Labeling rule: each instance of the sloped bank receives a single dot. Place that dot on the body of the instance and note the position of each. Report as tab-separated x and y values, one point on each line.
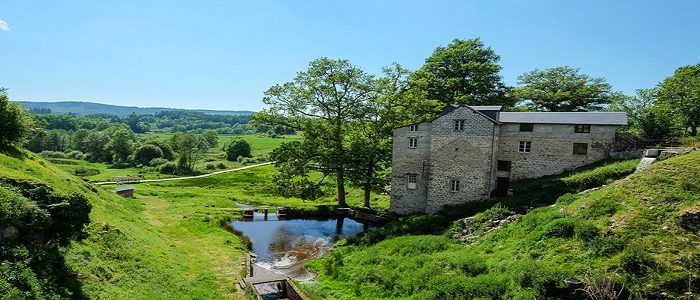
627	238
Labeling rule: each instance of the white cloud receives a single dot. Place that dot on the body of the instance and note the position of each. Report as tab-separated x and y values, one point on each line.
4	26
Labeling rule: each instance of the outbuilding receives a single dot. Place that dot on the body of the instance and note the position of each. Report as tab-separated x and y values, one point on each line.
126	192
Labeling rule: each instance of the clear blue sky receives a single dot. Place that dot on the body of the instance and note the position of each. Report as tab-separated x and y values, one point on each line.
225	54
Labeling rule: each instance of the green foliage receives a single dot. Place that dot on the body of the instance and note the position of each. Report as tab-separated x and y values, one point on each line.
562	228
168	168
463	72
681	92
237	148
210	166
562	89
604	206
600	175
120	144
636	261
14	121
146	153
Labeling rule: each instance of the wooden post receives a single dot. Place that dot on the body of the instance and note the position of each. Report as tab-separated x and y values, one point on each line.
265	211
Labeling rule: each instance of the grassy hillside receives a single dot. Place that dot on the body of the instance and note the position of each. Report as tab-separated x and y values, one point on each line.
141	248
87	108
627	236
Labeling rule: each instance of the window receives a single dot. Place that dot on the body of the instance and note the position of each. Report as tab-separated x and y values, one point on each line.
582	129
504	165
412	143
454	185
414	127
527	127
459	125
580	148
525	147
412	180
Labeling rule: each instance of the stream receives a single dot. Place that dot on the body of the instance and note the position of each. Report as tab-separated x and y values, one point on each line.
284	246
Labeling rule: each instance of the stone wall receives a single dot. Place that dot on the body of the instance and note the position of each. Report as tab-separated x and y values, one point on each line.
460	155
406	161
552	148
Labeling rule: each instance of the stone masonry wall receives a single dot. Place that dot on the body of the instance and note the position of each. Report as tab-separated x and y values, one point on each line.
552	148
406	161
460	155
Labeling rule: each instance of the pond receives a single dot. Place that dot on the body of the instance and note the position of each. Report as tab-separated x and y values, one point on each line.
283	246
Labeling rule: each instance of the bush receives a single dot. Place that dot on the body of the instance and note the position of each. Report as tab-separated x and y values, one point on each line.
210	166
84	172
15	121
52	154
168	168
562	227
157	162
585	231
221	165
146	153
637	261
497	212
236	148
75	154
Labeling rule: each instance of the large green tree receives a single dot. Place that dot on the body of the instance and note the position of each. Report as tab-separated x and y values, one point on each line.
562	89
190	148
321	102
15	122
681	92
463	72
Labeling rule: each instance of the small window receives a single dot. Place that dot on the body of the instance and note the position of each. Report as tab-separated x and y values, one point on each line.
414	127
527	127
580	149
459	125
504	165
412	180
412	143
454	185
525	147
582	129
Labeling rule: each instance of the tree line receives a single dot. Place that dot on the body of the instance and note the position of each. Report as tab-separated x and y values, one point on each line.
347	116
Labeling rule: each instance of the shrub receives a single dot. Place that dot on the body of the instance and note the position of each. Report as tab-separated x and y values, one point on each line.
562	227
599	176
52	154
146	153
75	154
210	166
585	231
157	162
221	165
605	206
83	172
497	212
168	168
637	261
236	148
605	245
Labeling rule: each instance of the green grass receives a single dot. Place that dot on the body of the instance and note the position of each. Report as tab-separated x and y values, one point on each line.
627	232
146	247
252	186
95	172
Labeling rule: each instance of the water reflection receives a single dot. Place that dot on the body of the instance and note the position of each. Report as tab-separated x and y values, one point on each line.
285	245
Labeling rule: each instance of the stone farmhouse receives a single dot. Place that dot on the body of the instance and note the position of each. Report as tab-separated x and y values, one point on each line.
472	153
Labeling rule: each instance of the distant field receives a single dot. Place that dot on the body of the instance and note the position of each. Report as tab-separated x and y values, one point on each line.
102	172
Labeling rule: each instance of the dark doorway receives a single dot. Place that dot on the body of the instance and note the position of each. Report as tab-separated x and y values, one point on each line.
502	184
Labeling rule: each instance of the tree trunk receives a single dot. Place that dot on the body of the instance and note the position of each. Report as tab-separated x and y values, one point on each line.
340	175
368	184
693	130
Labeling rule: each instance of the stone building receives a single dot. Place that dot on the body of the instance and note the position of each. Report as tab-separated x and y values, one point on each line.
471	153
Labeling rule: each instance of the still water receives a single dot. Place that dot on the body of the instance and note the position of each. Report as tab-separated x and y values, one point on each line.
283	246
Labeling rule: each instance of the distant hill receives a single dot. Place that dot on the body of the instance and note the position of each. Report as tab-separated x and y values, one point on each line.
87	108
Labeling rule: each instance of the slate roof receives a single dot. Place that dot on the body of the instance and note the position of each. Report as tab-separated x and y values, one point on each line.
596	118
122	189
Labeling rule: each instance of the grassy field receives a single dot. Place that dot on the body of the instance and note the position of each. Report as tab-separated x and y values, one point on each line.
94	172
627	233
146	247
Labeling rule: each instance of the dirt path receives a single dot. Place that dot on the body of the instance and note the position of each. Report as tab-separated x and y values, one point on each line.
185	177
